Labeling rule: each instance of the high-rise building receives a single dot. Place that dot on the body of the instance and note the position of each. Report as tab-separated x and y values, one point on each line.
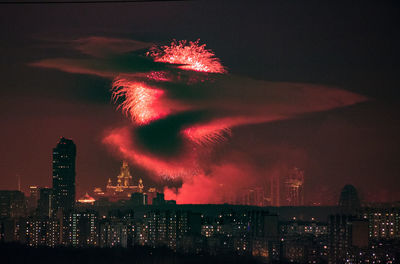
12	204
33	198
346	232
138	199
113	233
81	228
42	231
349	203
384	222
64	155
45	201
151	194
159	199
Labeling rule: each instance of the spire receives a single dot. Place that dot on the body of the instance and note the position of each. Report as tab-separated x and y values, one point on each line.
124	165
19	182
140	185
125	176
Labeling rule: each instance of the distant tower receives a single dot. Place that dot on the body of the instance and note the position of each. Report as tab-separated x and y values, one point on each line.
125	177
45	202
294	182
349	202
140	185
124	187
64	155
33	198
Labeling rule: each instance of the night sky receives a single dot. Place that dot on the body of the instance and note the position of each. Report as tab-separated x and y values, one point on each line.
346	46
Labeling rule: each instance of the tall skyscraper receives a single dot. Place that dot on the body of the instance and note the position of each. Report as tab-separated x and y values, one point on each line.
64	155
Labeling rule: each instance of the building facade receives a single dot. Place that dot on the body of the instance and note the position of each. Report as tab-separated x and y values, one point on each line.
64	155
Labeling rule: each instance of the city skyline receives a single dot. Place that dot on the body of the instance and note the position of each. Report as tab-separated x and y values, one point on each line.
345	233
285	191
288	191
275	192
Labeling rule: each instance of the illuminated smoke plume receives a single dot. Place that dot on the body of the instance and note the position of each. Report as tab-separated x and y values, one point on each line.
122	140
142	102
182	104
207	183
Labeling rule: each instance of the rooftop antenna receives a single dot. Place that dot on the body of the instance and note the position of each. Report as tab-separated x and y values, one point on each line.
19	182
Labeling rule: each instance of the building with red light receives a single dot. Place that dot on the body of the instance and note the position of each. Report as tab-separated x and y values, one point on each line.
86	199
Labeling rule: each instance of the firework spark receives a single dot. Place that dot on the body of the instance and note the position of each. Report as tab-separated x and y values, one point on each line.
158	76
139	100
191	55
142	102
207	134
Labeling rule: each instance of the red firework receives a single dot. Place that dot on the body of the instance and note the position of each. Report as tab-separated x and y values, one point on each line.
207	134
143	103
190	55
140	100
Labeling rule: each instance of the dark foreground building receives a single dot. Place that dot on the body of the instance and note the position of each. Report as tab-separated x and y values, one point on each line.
64	155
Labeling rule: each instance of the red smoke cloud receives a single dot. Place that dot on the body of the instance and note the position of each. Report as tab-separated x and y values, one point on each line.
121	140
79	66
193	82
221	186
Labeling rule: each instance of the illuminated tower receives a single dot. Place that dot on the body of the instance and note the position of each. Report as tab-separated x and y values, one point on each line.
124	187
64	155
294	187
125	177
140	185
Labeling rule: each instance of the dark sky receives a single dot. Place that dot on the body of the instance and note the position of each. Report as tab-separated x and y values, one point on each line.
351	45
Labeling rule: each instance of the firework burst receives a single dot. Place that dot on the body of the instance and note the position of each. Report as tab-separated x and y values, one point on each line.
139	100
190	55
207	134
